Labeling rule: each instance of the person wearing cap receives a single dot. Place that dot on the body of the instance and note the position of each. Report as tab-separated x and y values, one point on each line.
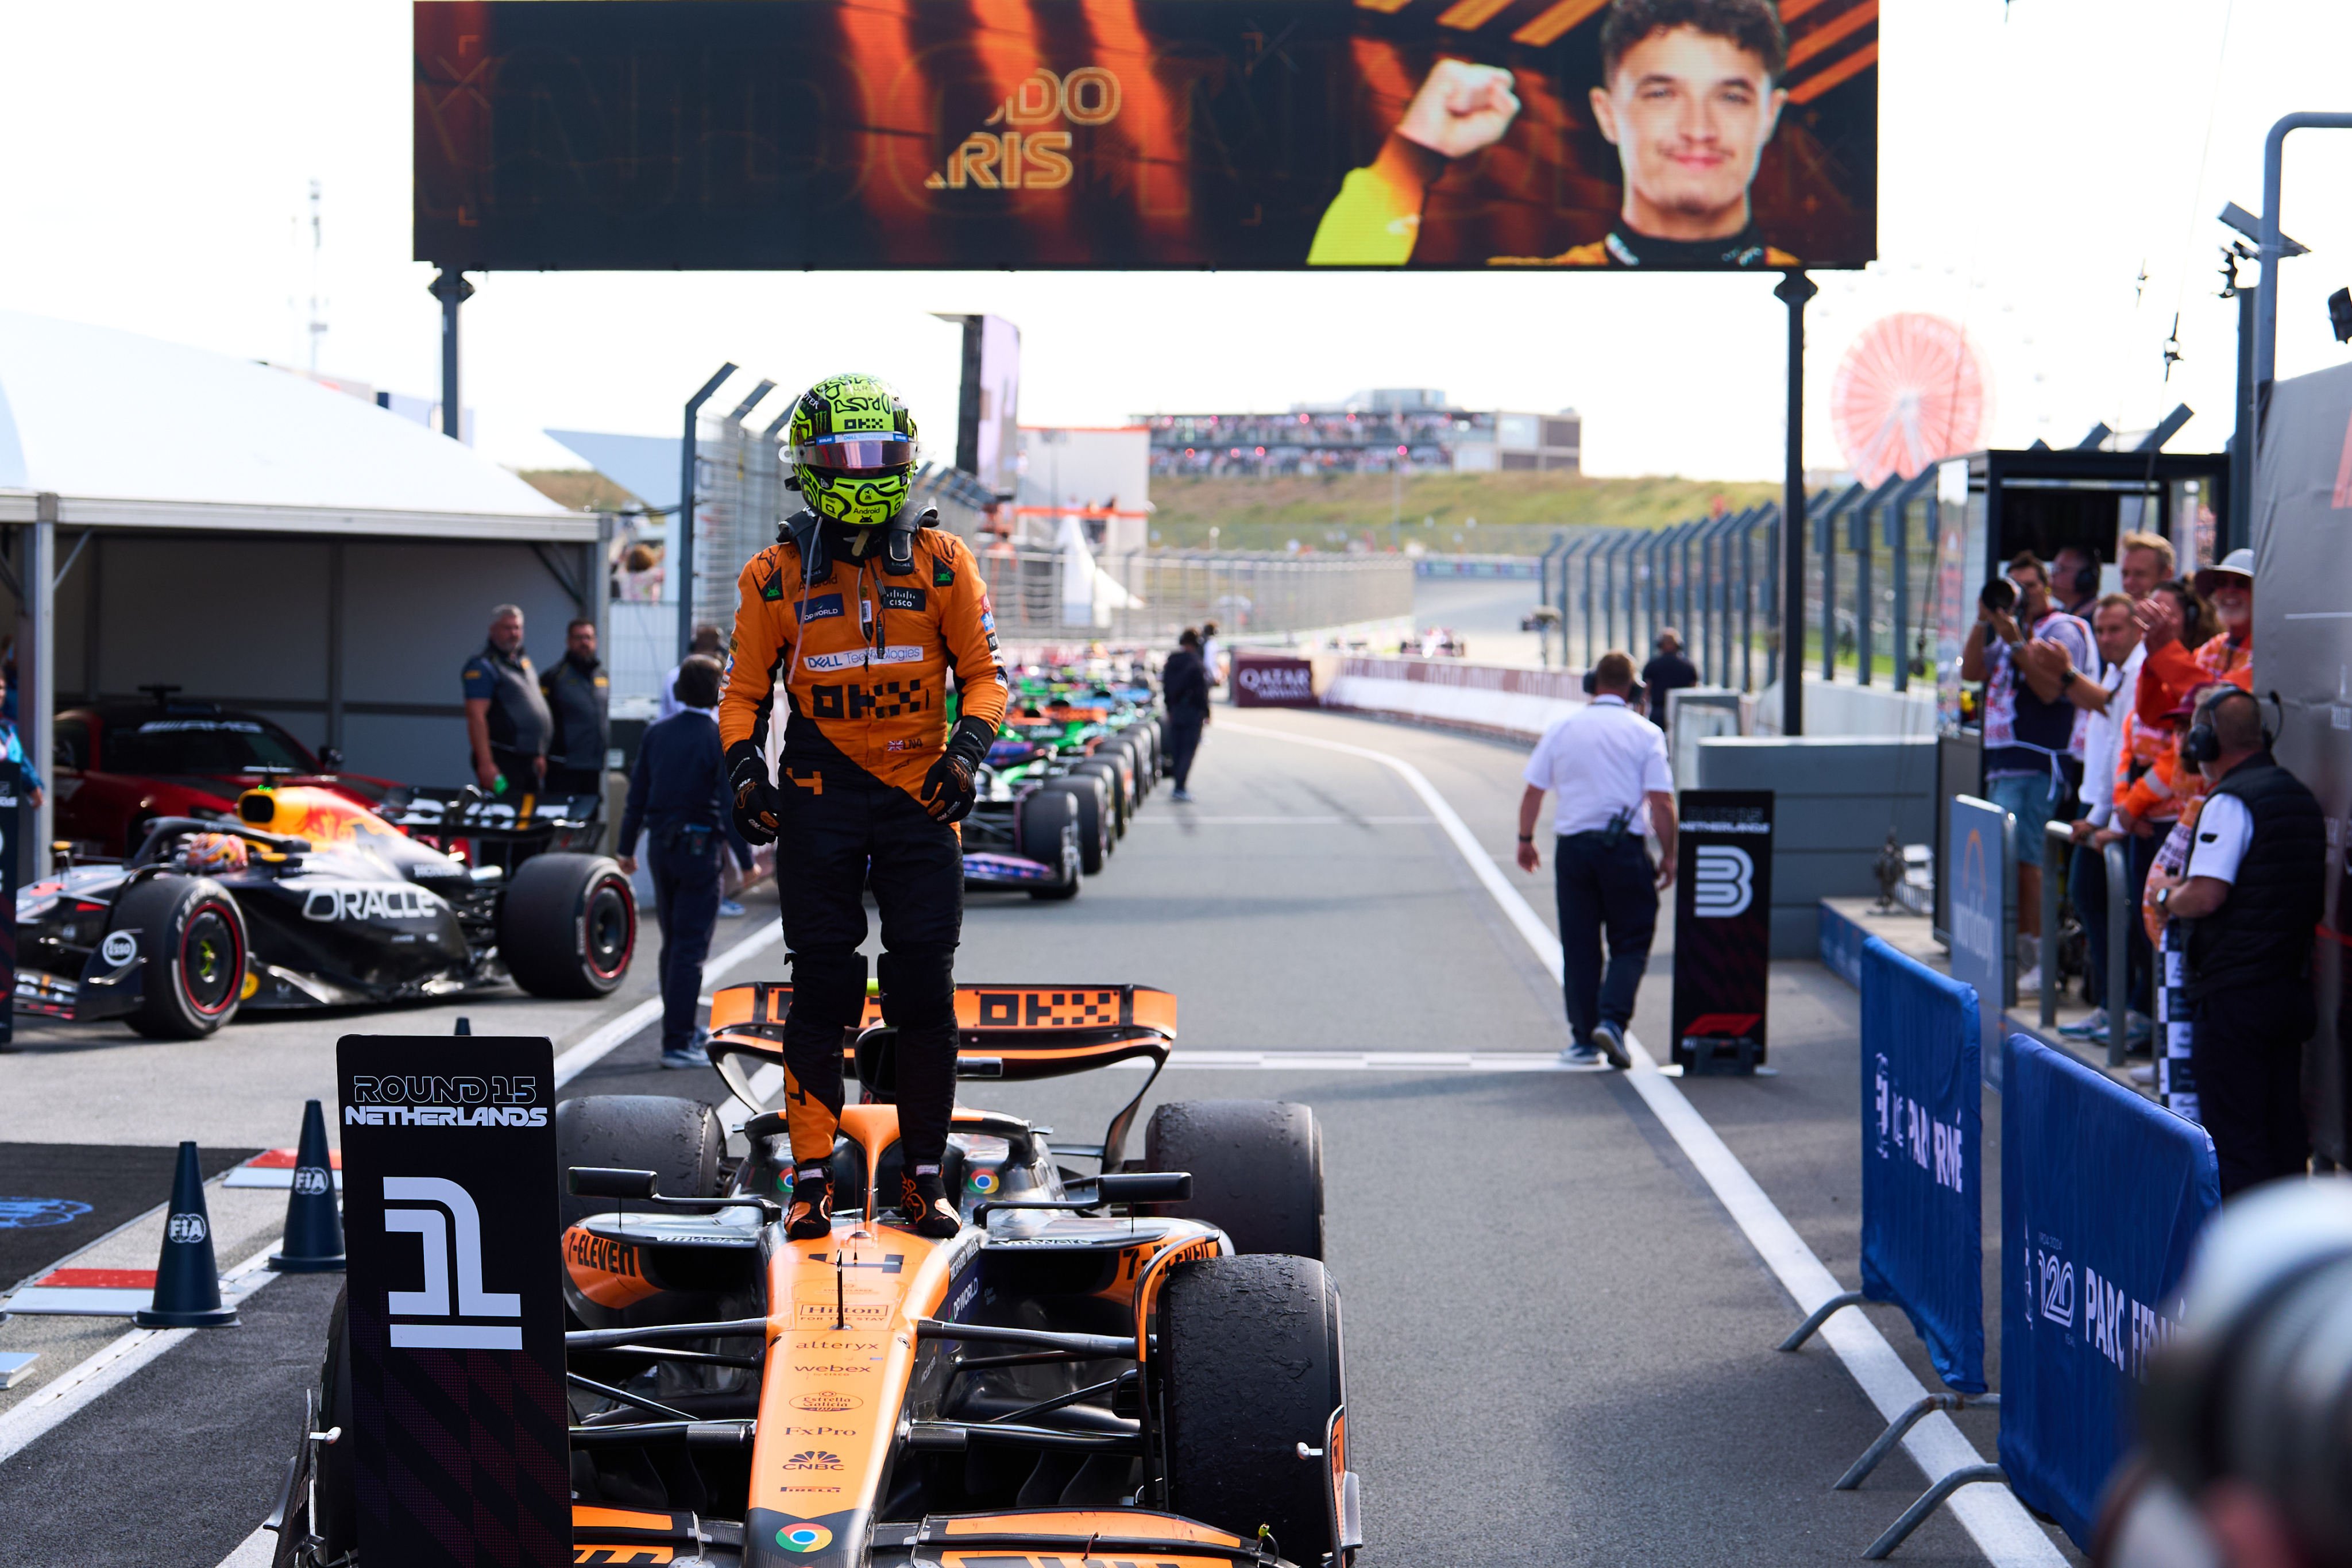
2174	670
2252	891
1668	671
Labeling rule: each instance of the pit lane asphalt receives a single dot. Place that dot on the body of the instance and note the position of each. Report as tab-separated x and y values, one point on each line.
1560	1348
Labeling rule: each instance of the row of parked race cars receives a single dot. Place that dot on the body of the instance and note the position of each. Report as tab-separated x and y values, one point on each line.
219	864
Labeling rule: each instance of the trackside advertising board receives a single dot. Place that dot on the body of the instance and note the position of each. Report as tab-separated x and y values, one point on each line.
2102	1195
1980	862
1143	134
1722	928
451	1223
1270	681
1922	1158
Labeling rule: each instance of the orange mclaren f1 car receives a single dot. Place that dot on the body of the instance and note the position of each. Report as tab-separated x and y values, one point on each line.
1139	1366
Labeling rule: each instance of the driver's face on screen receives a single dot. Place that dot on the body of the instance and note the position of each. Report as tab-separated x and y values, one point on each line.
1689	113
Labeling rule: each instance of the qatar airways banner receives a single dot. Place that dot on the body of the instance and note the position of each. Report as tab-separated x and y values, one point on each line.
1265	680
1146	135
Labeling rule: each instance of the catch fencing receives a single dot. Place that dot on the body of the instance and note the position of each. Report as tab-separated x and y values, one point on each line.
1148	596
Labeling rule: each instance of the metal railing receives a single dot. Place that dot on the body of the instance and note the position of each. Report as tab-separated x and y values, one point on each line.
1148	596
2057	839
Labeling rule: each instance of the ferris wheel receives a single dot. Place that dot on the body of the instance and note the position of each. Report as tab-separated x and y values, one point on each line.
1908	391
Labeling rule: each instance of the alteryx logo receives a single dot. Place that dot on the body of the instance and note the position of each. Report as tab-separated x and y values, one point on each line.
447	1226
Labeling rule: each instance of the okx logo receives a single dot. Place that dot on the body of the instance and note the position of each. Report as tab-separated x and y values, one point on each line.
441	1215
1723	881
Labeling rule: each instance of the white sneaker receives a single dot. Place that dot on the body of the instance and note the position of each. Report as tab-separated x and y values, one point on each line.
2029	983
1181	794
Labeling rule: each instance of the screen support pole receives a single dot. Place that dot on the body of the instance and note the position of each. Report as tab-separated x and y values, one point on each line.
1793	290
449	287
679	568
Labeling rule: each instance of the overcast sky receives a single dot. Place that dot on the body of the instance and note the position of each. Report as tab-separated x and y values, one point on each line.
2037	158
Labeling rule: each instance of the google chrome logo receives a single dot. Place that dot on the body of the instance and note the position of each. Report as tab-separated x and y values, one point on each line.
805	1537
983	1181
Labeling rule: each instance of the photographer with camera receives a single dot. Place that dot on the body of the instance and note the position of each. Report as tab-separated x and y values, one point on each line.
2251	893
2037	705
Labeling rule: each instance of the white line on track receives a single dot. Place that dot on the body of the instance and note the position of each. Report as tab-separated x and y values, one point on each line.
1363	1061
1186	819
1991	1515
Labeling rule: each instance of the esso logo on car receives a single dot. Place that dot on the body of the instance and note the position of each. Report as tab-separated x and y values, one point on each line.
120	947
385	901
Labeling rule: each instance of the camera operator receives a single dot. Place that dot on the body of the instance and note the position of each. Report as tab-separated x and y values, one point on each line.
2252	891
2243	1439
2036	715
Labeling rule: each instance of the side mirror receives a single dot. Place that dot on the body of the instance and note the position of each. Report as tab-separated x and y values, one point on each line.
1144	1186
980	1066
601	1182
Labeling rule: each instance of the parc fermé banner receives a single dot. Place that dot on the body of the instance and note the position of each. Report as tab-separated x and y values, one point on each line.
1922	1141
451	1225
1722	928
1267	681
2102	1195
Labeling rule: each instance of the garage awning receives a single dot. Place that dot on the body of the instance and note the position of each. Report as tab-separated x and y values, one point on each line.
131	432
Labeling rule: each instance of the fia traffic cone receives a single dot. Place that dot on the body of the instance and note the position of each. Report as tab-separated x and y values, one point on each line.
187	1280
314	1230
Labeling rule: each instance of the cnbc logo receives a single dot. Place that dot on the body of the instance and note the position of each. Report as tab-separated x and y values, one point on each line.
1024	154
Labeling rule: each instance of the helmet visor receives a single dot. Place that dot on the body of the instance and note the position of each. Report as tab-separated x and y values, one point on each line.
865	453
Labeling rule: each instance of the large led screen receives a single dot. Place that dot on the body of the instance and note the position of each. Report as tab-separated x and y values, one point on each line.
1151	134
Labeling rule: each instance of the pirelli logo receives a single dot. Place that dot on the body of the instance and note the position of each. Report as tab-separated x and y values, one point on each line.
1049	1010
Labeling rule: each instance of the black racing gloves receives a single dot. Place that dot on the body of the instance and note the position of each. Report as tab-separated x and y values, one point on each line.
949	794
757	804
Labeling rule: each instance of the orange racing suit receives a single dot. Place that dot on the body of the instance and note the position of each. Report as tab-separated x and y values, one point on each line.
861	649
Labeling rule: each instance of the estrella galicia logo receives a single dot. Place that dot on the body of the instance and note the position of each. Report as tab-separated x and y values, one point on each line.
1723	881
39	1214
823	608
897	598
441	1215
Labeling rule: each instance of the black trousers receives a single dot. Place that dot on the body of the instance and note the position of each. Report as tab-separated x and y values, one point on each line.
2087	881
564	779
2247	1054
521	769
1183	741
685	871
837	836
1612	889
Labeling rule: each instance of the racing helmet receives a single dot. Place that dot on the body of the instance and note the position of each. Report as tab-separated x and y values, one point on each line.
851	445
209	854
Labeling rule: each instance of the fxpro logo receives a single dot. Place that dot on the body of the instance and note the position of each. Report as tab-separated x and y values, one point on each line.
433	1099
376	902
449	1228
1723	881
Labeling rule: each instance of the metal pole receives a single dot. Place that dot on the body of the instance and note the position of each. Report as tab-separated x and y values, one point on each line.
2237	513
2270	250
39	703
2115	862
682	528
451	288
1898	540
1747	601
1793	290
1862	594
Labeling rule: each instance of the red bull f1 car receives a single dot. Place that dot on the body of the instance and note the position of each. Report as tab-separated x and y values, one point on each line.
1139	1365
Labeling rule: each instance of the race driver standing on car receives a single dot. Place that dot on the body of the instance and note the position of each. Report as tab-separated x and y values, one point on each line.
849	630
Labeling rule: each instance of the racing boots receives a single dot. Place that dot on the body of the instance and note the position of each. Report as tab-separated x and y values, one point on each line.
810	1218
923	1200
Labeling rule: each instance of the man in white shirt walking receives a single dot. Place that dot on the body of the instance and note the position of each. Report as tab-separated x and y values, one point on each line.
1608	766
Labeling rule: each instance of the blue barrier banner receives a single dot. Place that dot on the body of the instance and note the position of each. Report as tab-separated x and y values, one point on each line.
1922	1172
2102	1193
1981	864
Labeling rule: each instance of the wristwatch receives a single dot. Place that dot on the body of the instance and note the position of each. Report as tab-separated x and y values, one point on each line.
1526	838
2163	899
2067	679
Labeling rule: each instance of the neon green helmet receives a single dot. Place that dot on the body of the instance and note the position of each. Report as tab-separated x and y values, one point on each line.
852	447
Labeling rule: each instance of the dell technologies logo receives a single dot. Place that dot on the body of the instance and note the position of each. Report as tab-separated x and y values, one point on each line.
433	1099
449	1228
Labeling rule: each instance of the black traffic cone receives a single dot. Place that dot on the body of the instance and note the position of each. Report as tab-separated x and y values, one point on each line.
187	1280
314	1230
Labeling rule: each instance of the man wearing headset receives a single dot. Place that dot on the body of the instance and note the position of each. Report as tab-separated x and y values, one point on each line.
2251	893
854	631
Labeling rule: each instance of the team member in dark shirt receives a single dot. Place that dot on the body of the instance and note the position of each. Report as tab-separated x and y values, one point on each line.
507	721
679	796
578	695
1667	671
1185	682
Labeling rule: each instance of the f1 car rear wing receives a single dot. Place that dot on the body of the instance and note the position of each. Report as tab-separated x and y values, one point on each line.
469	814
1013	1032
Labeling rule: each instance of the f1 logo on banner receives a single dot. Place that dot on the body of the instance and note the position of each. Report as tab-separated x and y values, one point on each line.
432	1227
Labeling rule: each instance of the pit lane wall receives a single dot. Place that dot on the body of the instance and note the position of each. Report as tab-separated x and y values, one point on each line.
1514	704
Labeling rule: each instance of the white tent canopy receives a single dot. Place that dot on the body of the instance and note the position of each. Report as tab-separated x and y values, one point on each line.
131	432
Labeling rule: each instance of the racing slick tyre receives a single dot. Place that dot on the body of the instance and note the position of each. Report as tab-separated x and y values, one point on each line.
1146	748
1045	829
680	1140
1257	1165
1114	794
190	935
330	1507
1159	744
1097	822
1252	1370
567	925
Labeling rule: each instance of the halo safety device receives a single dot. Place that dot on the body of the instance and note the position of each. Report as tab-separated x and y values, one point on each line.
851	444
